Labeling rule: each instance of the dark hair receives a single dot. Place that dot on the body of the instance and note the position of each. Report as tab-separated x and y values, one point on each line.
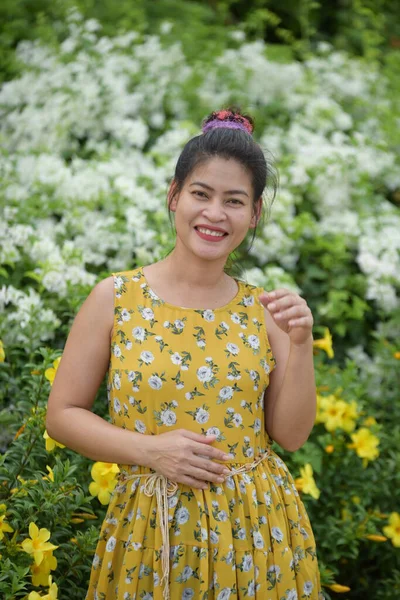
234	144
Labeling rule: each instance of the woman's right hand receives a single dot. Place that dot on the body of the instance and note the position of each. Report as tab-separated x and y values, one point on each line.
187	457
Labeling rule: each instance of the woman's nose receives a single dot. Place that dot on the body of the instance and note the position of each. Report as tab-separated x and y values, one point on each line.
215	211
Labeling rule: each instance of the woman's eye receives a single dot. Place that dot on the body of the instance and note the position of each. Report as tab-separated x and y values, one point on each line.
236	201
201	193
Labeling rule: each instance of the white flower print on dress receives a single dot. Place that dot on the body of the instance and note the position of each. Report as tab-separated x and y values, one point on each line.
147	313
179	324
254	341
235	318
237	419
213	431
247	562
224	594
209	315
176	358
147	357
117	381
251	589
292	595
140	427
202	416
112	542
182	515
117	351
226	393
258	540
187	594
308	587
125	315
117	406
168	417
248	300
139	334
232	348
155	382
277	534
204	374
172	501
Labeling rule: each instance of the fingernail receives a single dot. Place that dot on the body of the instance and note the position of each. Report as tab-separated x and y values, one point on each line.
271	305
226	457
226	471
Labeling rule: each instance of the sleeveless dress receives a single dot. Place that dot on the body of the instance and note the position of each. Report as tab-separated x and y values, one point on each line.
206	371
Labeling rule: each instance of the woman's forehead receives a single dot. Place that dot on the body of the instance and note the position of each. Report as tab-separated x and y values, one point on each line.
222	173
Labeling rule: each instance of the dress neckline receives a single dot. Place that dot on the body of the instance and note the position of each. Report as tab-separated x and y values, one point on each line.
234	300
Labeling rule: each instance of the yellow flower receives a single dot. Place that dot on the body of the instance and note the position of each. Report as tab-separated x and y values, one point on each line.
104	480
2	353
397	355
365	444
50	443
339	589
103	469
349	416
375	538
50	476
3	508
325	343
37	544
369	421
393	529
51	372
52	595
40	573
4	527
329	449
332	413
306	482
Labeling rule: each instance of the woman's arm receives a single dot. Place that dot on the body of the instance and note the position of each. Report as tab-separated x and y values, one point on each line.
290	399
84	363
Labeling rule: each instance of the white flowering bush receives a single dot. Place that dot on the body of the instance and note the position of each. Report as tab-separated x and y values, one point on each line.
90	133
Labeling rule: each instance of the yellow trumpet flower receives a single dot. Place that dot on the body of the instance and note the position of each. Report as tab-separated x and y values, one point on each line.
2	352
37	544
306	482
4	527
50	443
365	444
393	529
339	589
50	373
325	343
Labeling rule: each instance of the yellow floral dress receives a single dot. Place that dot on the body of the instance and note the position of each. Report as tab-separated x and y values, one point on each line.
206	371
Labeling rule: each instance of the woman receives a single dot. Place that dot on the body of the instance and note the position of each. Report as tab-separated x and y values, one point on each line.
197	391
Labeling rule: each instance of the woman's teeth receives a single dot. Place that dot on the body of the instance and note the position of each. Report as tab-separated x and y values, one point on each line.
209	232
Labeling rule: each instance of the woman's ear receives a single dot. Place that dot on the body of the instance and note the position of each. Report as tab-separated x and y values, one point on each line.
257	213
172	196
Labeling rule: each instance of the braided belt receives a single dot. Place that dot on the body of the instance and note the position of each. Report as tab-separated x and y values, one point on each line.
164	488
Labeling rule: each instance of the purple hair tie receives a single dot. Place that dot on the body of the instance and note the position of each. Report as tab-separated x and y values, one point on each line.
227	124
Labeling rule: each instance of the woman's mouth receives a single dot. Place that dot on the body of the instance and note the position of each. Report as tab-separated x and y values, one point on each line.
210	235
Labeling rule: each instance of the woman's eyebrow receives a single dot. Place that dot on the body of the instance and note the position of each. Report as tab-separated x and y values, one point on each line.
208	187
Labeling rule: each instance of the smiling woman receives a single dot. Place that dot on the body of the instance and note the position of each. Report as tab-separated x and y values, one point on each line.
204	507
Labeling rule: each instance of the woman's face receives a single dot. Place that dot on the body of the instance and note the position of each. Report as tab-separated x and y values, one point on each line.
218	196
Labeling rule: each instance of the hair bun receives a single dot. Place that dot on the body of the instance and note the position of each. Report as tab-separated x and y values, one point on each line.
232	117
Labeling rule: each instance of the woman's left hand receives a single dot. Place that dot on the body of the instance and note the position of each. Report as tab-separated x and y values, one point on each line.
291	313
